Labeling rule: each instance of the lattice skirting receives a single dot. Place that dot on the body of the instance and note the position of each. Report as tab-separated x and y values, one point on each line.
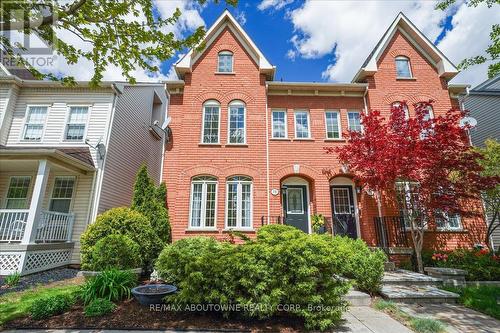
33	261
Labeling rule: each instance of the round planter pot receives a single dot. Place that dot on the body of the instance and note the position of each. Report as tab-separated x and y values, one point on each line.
137	271
153	293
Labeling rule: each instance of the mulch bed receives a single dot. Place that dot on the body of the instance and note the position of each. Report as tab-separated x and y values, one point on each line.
130	315
41	278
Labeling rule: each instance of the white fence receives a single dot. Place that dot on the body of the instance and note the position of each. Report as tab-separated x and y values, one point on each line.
54	227
12	224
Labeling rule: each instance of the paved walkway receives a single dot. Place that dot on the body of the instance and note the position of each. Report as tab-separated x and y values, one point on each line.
359	319
458	318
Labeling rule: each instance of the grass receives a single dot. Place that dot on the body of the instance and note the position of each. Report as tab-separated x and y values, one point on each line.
483	299
17	304
419	325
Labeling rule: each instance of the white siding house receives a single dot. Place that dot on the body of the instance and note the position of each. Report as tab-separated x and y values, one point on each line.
66	154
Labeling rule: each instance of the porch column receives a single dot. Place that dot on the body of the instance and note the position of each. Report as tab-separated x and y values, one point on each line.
36	201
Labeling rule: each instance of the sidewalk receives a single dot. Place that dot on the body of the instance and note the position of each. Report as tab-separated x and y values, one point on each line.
359	319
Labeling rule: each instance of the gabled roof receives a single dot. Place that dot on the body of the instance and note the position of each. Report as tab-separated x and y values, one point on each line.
402	24
225	20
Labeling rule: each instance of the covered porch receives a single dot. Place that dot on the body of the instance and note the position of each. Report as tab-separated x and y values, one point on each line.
44	193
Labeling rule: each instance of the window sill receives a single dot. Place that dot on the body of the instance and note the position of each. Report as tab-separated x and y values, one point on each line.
239	229
303	139
451	231
201	230
236	145
209	144
225	73
335	140
405	78
281	139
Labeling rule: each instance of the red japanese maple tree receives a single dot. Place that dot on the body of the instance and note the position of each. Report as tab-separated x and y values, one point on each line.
426	161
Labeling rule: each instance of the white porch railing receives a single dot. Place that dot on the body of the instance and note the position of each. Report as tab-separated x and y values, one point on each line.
12	224
54	227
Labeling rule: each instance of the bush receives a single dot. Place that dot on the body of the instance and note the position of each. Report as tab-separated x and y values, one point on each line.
99	307
282	266
13	279
150	201
46	307
481	265
122	221
115	251
113	285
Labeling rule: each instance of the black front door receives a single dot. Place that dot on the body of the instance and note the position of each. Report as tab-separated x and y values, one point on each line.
344	218
295	208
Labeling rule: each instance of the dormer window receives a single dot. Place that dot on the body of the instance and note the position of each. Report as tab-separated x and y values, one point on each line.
403	69
225	63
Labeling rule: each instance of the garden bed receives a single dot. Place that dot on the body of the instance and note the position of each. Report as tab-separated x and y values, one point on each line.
130	315
41	278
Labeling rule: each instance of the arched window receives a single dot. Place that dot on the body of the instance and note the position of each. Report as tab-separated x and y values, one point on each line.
405	108
239	202
237	123
211	122
225	62
203	207
403	69
428	114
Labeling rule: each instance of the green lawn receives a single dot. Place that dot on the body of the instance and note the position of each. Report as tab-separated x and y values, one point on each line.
483	299
17	304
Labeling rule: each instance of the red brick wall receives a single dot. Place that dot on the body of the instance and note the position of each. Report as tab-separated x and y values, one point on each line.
186	157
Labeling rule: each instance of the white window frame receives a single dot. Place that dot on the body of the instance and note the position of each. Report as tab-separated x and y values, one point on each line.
210	103
238	103
7	198
406	109
239	200
203	207
225	53
398	58
360	123
25	122
308	123
75	185
446	221
339	124
286	124
87	121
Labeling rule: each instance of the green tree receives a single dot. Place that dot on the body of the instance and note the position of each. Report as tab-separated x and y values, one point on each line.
491	198
128	34
150	201
492	52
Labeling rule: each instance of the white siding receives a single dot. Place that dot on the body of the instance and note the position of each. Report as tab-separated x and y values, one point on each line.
8	97
58	100
130	145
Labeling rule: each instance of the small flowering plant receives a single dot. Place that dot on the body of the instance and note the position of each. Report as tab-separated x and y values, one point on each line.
440	257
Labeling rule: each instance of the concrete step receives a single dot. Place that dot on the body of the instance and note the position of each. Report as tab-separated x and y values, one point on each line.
401	277
418	294
358	298
389	266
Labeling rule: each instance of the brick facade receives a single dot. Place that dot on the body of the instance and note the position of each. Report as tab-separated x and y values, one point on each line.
271	162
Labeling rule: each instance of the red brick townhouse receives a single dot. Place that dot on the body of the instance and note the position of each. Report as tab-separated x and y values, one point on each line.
246	150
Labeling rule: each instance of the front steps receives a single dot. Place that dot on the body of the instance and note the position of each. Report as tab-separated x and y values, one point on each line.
410	287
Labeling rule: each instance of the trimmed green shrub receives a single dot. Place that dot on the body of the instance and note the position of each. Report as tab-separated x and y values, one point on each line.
150	201
99	307
113	285
481	265
46	307
282	266
121	221
115	251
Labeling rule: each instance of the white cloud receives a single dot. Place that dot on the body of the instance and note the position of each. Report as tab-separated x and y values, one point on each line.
350	30
276	4
241	18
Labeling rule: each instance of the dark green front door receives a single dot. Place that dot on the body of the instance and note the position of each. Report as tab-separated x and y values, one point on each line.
295	208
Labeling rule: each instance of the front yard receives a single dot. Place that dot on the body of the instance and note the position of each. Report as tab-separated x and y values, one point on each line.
484	299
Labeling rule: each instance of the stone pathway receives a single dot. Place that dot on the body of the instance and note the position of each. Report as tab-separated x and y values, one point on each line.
458	318
359	319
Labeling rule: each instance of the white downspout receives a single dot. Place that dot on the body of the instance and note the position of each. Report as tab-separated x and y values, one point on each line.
267	162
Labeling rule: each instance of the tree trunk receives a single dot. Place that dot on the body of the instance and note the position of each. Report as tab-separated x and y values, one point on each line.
418	252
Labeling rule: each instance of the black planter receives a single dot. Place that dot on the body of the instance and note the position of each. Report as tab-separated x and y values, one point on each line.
153	293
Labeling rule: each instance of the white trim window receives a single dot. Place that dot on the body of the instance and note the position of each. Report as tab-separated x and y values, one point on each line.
403	68
428	115
210	132
225	62
405	108
354	121
302	130
203	203
332	123
76	124
237	123
35	122
446	221
17	194
62	194
239	202
279	124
